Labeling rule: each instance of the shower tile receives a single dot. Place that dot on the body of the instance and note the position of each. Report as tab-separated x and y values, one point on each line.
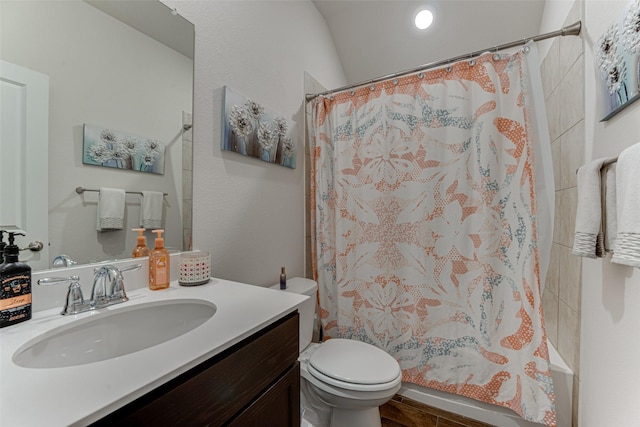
571	46
572	146
187	213
553	272
556	218
550	69
569	335
571	99
187	154
550	303
553	114
556	158
186	238
187	186
568	206
570	278
575	400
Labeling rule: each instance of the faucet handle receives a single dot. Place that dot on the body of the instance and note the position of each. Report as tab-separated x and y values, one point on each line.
74	303
131	268
117	289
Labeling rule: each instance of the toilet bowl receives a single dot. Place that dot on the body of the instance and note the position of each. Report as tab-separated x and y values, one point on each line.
343	382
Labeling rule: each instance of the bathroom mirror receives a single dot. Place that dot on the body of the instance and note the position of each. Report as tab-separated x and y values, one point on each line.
122	65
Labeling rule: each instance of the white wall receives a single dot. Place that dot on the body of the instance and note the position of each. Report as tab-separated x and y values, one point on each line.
250	214
83	51
609	393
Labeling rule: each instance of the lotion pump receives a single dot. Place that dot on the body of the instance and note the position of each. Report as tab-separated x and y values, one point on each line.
141	249
159	264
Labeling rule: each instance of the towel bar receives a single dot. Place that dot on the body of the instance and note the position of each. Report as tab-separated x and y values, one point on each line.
81	190
605	164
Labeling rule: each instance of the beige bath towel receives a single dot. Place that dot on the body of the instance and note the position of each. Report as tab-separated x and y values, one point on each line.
589	239
627	246
151	209
111	202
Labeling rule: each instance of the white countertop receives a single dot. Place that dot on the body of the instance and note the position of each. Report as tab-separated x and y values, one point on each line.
82	394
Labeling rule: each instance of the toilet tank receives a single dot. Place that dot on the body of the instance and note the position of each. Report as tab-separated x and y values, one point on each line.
306	309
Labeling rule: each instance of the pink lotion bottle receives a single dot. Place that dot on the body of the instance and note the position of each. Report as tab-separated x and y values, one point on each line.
159	264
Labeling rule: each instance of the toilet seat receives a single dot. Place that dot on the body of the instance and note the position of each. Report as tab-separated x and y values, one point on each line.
352	386
354	365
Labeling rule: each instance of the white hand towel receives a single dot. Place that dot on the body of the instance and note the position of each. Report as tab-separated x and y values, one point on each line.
586	242
610	209
151	209
111	203
627	247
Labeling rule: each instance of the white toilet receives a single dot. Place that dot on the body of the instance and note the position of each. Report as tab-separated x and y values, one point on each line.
343	382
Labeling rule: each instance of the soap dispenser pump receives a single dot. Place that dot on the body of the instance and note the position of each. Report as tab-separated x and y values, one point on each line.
2	246
15	286
141	249
159	263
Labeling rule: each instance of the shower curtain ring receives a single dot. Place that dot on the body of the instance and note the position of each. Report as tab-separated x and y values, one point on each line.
420	75
496	55
448	68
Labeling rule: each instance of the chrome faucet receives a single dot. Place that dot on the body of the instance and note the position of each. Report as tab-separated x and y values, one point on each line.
62	261
108	289
108	285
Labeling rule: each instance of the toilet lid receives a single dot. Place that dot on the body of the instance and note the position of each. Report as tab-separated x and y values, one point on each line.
354	362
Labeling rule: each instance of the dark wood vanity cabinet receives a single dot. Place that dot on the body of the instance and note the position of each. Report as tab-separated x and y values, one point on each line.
254	383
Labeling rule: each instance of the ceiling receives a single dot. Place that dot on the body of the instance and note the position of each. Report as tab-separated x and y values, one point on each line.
377	38
154	19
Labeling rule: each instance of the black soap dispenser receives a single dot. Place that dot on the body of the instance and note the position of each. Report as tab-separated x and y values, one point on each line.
15	286
2	246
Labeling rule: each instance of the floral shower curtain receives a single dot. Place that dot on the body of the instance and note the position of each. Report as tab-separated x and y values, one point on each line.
426	242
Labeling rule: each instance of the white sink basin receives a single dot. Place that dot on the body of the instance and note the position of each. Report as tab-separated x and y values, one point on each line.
111	334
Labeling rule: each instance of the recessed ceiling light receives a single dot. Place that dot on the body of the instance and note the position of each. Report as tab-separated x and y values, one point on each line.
423	19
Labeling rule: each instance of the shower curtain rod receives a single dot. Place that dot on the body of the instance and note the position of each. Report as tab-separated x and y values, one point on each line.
570	30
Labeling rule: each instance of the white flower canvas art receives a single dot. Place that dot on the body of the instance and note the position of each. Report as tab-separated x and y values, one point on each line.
115	149
252	130
617	57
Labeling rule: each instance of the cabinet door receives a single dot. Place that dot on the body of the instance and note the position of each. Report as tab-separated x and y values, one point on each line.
279	406
212	393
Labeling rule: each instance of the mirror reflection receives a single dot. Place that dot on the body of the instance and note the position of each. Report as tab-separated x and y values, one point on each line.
121	65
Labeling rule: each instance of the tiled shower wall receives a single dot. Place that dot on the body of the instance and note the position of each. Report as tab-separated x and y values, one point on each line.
187	180
563	82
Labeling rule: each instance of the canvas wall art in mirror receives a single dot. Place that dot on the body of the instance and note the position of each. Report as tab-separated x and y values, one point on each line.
252	130
617	54
117	149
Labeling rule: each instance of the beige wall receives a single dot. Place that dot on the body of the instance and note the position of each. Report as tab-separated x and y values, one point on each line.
247	213
610	348
563	80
